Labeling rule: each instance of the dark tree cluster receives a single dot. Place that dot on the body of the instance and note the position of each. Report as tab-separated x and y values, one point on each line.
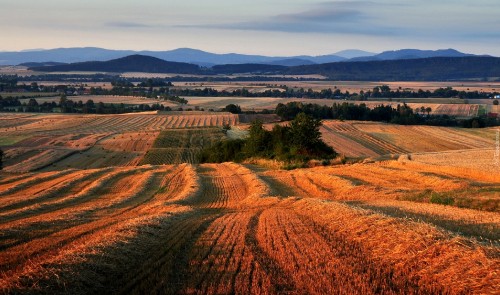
232	108
155	83
300	141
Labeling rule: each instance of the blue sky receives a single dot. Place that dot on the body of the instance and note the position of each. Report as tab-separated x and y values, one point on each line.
272	27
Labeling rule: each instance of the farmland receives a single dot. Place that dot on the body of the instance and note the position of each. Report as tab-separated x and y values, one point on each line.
54	142
119	204
181	146
230	228
369	139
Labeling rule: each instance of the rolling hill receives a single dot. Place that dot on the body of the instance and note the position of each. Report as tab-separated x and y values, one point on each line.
411	54
422	69
132	63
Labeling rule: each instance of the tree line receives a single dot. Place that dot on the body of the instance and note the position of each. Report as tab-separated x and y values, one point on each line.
401	114
65	105
284	91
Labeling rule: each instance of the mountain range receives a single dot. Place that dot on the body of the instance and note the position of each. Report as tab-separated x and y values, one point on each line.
207	59
418	69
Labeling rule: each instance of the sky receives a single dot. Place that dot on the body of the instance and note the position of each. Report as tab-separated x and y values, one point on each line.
268	27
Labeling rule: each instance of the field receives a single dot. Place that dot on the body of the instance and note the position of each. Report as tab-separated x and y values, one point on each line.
180	146
54	142
370	139
118	204
229	228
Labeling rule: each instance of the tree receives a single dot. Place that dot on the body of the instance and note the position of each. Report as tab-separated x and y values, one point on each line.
428	110
233	108
305	132
495	102
258	140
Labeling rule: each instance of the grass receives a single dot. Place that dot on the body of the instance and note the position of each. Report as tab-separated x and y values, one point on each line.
11	139
461	199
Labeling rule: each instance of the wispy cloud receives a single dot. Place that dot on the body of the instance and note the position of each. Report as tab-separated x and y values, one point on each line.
118	24
339	17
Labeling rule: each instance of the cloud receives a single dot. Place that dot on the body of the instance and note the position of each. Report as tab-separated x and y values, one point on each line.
339	17
119	24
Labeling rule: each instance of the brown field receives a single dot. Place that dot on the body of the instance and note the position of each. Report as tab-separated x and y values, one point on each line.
372	139
228	228
53	142
107	204
351	86
449	107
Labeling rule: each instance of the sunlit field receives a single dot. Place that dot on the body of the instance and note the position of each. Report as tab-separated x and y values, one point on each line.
118	204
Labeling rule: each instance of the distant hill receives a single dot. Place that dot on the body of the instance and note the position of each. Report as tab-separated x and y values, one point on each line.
353	53
207	59
422	69
63	55
412	54
186	55
132	63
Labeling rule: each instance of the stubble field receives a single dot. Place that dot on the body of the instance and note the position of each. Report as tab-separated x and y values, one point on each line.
110	217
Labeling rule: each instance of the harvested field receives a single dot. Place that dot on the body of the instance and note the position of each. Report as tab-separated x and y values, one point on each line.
52	142
122	211
231	229
372	139
463	110
448	107
52	124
